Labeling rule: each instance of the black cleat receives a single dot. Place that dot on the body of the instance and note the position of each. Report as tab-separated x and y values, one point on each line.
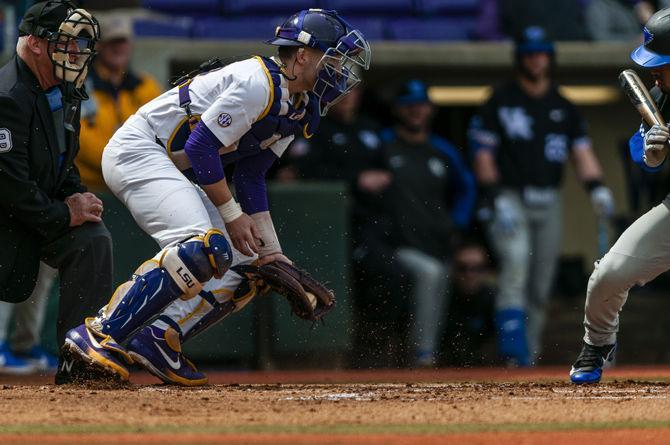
589	365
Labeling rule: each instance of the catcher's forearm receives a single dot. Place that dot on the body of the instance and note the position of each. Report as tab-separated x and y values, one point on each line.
269	242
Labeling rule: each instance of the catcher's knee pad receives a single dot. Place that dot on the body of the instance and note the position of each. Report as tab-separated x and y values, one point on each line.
176	272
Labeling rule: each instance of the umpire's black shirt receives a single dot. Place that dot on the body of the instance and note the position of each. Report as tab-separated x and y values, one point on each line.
36	175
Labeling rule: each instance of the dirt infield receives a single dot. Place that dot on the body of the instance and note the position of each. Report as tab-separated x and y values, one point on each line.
385	407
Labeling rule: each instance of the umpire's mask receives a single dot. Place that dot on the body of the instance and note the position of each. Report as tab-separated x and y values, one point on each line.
72	47
71	33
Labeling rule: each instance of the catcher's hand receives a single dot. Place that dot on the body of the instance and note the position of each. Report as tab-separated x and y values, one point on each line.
309	299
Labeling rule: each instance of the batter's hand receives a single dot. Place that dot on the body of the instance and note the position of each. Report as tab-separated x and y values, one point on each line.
84	207
243	233
655	143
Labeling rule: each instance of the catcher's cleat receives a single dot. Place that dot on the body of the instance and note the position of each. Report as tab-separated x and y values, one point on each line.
159	352
589	365
97	351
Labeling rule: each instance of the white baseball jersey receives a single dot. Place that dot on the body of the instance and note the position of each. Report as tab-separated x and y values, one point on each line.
228	100
164	203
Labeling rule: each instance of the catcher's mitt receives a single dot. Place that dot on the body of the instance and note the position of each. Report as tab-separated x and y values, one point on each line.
309	299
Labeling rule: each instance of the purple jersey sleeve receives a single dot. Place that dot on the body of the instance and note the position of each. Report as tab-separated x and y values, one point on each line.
202	148
249	181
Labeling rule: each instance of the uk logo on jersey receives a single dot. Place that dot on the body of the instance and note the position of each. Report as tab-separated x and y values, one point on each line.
517	123
224	119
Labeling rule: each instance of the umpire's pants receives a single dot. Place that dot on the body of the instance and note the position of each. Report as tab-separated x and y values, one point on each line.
83	257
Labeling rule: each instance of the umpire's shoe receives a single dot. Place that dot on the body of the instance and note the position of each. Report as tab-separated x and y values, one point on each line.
99	351
589	365
159	352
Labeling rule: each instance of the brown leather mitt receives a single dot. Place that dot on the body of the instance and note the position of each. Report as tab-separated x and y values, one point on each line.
309	299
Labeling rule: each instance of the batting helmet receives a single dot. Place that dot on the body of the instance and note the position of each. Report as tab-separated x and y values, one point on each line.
655	51
534	40
345	51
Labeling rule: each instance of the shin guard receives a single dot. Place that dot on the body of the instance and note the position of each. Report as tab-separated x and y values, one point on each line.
176	272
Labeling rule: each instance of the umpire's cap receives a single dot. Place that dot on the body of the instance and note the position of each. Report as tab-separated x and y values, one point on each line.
44	17
655	51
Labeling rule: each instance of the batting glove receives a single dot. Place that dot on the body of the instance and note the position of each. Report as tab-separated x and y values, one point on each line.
655	143
602	201
506	219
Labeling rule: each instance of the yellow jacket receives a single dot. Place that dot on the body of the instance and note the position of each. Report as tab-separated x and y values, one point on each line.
106	112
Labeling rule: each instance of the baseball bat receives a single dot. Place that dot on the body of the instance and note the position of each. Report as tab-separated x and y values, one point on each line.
640	97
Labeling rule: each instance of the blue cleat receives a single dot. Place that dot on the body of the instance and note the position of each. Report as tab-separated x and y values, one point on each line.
589	365
11	364
159	352
96	350
40	359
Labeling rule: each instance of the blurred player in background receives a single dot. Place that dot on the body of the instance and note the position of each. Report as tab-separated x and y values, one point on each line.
521	139
642	252
246	113
24	353
470	316
116	92
430	198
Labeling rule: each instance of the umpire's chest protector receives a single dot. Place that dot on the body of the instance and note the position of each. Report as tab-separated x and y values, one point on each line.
31	166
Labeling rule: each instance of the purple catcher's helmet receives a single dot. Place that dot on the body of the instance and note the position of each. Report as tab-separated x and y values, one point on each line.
345	51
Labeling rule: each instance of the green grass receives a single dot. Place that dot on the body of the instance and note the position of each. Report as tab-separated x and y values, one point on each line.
428	429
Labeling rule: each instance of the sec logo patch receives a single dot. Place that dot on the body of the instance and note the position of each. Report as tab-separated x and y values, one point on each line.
224	119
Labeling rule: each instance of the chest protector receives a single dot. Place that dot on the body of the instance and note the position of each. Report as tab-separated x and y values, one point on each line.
277	121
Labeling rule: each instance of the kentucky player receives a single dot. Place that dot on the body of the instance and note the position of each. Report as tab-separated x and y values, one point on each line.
246	113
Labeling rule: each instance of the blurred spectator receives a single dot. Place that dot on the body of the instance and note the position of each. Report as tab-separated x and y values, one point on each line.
521	140
347	148
562	19
116	93
616	19
471	308
24	354
430	198
488	21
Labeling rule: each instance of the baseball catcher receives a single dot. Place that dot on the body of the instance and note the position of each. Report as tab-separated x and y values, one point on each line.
166	164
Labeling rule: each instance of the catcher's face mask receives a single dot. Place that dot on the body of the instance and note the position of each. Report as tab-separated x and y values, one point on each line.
72	47
339	68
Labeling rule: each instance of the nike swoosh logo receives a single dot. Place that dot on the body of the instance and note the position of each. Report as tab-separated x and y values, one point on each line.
174	364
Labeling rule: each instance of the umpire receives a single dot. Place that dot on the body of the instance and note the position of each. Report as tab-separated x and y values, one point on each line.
45	212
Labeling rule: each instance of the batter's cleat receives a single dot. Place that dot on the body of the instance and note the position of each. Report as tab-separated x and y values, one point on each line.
97	350
159	352
589	365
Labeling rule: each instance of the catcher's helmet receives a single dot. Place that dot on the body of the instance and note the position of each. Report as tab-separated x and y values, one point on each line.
655	51
345	51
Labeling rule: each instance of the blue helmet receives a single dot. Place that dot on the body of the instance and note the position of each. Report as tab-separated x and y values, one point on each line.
345	51
534	40
655	51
